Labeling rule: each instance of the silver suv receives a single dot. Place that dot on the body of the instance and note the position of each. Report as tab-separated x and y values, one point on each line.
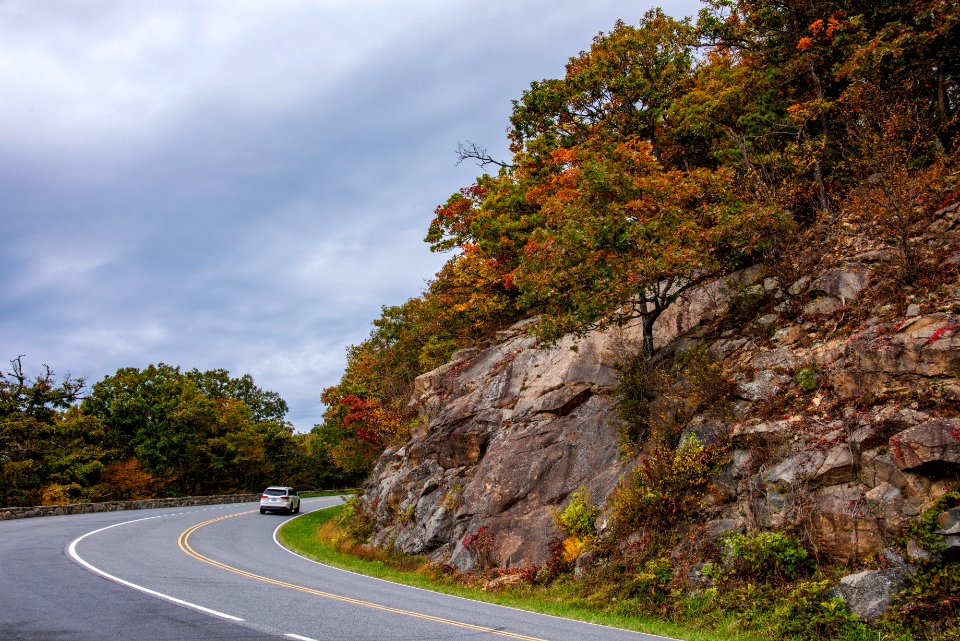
279	498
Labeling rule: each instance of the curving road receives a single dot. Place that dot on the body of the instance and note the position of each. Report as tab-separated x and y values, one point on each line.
217	573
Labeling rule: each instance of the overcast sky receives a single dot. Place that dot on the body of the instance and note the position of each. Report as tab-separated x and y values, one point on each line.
242	185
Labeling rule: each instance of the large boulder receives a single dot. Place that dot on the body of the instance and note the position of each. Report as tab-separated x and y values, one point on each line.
868	593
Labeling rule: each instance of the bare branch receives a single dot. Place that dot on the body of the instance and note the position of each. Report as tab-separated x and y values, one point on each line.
472	151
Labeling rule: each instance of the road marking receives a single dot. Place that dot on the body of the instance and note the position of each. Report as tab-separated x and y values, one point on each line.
72	551
299	638
184	542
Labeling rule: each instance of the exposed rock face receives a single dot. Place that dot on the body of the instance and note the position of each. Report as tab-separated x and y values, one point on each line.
510	431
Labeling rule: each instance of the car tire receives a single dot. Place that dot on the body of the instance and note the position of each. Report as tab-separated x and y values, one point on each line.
297	509
262	511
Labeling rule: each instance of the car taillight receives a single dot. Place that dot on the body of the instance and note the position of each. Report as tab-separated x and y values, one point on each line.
284	498
264	496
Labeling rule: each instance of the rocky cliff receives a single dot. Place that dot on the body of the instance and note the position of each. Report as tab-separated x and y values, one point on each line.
843	420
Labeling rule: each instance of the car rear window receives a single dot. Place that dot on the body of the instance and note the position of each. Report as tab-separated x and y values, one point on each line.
272	491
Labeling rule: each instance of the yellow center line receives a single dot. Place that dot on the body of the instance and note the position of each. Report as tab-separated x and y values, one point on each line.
184	542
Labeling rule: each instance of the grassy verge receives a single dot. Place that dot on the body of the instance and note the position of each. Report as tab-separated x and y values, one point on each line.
318	536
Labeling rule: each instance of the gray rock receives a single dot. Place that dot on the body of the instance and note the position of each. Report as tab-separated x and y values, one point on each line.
796	468
949	521
839	466
723	348
799	287
768	431
868	594
916	553
843	283
781	358
788	335
584	562
766	384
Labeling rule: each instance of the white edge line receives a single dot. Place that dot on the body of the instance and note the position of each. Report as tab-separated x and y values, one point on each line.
72	551
452	596
299	638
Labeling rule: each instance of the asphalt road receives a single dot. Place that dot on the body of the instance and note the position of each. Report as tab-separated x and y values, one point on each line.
217	573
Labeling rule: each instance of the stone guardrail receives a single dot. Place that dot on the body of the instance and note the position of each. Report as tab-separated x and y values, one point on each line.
8	513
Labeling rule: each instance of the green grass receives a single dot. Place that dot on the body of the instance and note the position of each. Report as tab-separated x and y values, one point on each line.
310	535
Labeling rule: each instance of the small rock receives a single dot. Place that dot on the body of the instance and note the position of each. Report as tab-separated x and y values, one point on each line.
767	319
765	385
916	553
949	522
788	335
799	286
781	358
584	562
823	306
884	496
800	466
844	283
913	310
767	430
840	466
722	349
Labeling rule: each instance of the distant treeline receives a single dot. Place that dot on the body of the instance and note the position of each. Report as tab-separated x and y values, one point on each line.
149	433
673	151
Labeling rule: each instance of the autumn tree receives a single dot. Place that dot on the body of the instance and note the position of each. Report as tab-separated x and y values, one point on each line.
625	238
621	88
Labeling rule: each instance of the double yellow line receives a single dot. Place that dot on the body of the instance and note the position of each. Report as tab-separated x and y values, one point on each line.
184	542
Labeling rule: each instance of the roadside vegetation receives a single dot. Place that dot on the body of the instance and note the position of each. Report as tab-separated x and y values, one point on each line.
321	536
762	586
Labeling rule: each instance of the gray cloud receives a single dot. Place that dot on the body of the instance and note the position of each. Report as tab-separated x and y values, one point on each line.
243	184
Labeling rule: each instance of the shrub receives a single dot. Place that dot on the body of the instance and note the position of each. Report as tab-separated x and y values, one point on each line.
767	555
579	518
807	378
658	398
809	615
634	394
355	520
655	576
924	528
666	486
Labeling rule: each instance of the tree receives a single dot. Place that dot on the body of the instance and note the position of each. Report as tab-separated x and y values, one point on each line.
621	88
625	238
195	430
29	411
